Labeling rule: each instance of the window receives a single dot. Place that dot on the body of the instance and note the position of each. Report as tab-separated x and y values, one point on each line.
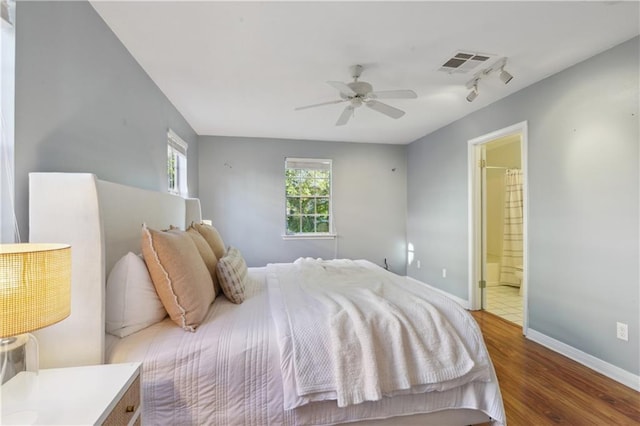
177	164
308	197
9	231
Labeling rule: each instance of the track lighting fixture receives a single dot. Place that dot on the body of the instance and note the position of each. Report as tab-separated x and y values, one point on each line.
503	74
473	93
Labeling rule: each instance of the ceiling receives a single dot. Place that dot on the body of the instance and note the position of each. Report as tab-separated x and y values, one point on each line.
240	68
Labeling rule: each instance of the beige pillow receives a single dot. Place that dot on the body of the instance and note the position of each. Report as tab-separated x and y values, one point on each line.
213	237
232	275
179	275
207	255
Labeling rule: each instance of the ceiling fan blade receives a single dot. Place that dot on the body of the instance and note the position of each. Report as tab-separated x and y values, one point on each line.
387	110
345	116
394	94
342	87
320	104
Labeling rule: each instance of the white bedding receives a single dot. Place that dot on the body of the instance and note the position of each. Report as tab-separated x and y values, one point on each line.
228	373
380	335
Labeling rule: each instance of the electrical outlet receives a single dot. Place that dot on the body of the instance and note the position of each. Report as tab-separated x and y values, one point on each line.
418	264
622	331
444	273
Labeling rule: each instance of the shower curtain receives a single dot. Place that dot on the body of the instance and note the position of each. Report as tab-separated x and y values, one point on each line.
513	225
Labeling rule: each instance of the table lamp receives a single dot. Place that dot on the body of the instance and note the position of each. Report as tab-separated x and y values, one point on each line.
35	292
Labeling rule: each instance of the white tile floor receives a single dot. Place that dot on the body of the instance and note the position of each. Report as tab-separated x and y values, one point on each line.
505	302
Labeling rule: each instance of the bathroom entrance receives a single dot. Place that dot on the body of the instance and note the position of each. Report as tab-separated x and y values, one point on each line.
498	223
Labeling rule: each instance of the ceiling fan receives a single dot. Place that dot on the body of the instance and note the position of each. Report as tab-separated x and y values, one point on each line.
359	93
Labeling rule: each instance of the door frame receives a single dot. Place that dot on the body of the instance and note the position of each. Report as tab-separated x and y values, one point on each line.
475	222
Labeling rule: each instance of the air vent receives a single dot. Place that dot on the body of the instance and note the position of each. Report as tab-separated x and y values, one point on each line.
466	62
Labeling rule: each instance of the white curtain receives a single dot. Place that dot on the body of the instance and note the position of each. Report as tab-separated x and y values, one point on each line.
513	225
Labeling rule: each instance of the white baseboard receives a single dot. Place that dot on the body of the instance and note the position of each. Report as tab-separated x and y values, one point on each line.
616	373
458	300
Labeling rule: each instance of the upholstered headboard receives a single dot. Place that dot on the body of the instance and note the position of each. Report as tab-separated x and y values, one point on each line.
102	222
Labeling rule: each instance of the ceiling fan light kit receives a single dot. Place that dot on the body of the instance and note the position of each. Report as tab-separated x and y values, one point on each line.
359	93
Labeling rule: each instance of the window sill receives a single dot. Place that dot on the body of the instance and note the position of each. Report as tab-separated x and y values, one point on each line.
309	236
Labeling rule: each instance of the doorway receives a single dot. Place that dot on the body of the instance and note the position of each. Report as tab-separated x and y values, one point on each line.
497	219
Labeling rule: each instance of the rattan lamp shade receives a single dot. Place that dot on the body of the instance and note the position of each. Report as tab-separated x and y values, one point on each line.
35	286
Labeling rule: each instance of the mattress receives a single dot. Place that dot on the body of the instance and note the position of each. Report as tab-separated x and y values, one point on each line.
228	372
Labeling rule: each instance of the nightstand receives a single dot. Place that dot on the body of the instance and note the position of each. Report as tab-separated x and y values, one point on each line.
106	394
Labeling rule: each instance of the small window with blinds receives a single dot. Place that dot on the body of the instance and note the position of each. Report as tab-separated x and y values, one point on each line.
308	197
177	164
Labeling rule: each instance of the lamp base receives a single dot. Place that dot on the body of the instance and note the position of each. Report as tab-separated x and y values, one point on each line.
18	353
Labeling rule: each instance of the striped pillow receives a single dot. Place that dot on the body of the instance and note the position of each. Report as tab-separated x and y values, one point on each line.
232	275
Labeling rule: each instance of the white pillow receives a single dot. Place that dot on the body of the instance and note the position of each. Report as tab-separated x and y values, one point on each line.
131	299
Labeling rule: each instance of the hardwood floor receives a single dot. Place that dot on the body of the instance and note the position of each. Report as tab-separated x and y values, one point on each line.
542	387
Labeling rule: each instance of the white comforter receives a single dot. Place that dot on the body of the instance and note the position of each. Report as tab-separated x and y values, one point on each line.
353	332
228	373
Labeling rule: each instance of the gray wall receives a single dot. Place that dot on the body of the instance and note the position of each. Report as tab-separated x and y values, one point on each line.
242	192
583	161
83	104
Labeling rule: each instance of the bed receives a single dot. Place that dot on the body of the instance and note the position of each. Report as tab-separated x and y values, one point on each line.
246	363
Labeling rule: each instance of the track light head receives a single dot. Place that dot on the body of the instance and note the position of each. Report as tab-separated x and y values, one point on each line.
473	94
505	77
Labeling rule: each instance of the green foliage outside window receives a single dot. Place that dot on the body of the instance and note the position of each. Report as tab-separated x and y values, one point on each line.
308	195
172	171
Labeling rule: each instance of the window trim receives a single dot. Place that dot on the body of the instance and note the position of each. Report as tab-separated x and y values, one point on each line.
331	234
178	147
310	236
177	142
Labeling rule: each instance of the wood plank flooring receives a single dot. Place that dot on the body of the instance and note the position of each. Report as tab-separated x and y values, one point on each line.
542	387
